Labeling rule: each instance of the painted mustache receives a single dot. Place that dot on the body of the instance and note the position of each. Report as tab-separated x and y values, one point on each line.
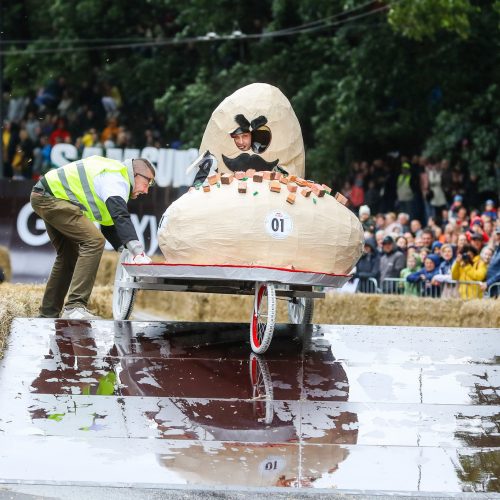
244	161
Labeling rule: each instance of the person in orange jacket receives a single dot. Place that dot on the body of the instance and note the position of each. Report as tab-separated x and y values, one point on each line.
469	267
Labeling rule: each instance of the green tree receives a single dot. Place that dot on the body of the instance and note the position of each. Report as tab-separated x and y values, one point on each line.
364	78
426	18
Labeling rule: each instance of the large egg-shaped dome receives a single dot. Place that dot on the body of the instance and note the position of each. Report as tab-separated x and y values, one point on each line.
220	224
266	114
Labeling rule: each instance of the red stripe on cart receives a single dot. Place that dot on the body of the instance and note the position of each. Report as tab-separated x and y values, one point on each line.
237	267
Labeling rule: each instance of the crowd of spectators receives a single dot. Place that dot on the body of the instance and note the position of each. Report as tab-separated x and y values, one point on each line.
91	115
426	222
426	238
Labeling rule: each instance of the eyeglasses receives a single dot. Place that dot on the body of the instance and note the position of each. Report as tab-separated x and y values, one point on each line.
151	181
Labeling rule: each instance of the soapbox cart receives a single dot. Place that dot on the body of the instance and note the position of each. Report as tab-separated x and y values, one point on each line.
266	284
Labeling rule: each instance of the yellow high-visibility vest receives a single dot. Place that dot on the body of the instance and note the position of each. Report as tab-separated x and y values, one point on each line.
75	182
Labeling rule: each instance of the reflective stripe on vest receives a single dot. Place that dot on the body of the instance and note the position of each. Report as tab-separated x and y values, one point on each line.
74	182
65	184
86	189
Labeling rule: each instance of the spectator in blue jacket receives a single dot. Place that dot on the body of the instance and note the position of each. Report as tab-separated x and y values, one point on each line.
443	276
447	259
424	277
436	247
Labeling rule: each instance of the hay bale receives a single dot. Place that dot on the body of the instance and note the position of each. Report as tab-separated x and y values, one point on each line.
21	300
196	306
5	262
480	312
101	301
398	310
17	301
107	269
336	308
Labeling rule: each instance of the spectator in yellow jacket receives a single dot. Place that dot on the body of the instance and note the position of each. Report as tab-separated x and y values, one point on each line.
469	267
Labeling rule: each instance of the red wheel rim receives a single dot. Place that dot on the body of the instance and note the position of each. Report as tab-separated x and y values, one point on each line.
255	320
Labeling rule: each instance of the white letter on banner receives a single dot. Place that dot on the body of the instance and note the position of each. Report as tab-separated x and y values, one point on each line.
25	234
170	164
130	154
182	161
141	226
153	229
164	169
189	177
151	154
114	153
61	154
91	152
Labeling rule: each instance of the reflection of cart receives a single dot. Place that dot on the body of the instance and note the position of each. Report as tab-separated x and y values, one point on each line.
265	283
262	387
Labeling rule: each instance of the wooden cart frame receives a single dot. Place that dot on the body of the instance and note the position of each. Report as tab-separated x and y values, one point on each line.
266	284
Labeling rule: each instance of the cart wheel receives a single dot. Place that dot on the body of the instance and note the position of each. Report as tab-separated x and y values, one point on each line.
263	317
123	297
262	389
300	310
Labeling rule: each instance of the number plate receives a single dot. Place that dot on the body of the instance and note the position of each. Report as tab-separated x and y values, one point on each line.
278	224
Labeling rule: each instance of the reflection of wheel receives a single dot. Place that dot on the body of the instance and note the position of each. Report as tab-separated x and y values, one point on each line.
123	297
263	317
262	389
300	310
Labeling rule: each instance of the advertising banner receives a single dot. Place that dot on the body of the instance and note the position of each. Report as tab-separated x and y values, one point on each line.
24	234
170	164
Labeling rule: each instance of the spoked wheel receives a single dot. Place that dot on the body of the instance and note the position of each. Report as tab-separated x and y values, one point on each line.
262	389
300	310
123	297
263	317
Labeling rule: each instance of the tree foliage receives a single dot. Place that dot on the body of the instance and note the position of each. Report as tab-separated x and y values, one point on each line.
426	18
364	78
469	135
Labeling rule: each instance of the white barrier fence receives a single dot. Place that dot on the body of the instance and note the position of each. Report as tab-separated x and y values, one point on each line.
448	289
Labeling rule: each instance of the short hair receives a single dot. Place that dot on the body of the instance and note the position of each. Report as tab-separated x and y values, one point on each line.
446	246
145	163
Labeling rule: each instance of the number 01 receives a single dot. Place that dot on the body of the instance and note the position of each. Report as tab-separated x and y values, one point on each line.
278	225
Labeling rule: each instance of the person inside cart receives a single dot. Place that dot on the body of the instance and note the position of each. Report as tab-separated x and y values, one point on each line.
69	200
243	140
254	135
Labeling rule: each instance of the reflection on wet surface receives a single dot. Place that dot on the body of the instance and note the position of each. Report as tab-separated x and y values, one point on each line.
354	408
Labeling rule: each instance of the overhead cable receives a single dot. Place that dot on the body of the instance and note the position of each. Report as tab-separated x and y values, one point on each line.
310	27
